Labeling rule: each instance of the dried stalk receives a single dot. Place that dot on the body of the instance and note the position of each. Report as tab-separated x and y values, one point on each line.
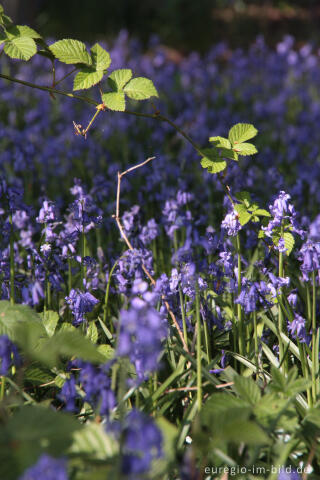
127	241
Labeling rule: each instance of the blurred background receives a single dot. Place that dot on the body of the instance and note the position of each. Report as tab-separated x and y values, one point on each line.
181	24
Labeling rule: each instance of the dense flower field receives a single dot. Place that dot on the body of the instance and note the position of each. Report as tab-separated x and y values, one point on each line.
211	369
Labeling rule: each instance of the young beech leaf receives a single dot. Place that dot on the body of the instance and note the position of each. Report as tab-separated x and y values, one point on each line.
100	57
86	78
288	242
220	142
244	197
119	78
22	48
21	31
114	101
211	161
262	213
245	149
241	132
71	52
140	88
244	215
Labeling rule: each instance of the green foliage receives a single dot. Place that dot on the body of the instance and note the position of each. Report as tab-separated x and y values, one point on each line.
241	132
22	48
50	320
140	88
212	161
114	101
86	78
100	58
28	432
119	78
71	52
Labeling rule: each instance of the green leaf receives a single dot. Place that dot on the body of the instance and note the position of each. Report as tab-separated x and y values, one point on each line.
247	389
86	78
21	31
50	321
245	149
28	433
213	167
228	153
38	375
262	213
140	88
119	78
12	317
114	101
220	142
107	351
71	52
67	344
22	48
241	132
244	197
244	215
288	242
100	57
93	440
92	332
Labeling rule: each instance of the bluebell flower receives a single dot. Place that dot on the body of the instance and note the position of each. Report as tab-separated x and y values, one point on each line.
8	354
309	255
142	331
231	223
80	303
142	444
288	473
297	329
47	468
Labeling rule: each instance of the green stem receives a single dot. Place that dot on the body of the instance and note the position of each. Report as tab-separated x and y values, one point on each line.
256	344
199	370
69	275
49	89
314	338
239	308
2	390
280	313
305	372
11	261
184	323
106	297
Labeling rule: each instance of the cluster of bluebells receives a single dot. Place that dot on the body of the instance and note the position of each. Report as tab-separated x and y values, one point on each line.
94	381
38	152
142	331
47	468
142	444
9	355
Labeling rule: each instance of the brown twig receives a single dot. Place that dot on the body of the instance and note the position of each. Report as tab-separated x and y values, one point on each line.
310	458
127	241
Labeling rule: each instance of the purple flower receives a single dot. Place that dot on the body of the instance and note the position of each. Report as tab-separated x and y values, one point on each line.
287	473
80	303
8	354
69	394
231	223
142	330
297	328
284	215
309	255
142	444
149	232
47	468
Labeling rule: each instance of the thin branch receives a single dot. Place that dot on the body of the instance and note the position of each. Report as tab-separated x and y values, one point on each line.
50	89
64	77
127	241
